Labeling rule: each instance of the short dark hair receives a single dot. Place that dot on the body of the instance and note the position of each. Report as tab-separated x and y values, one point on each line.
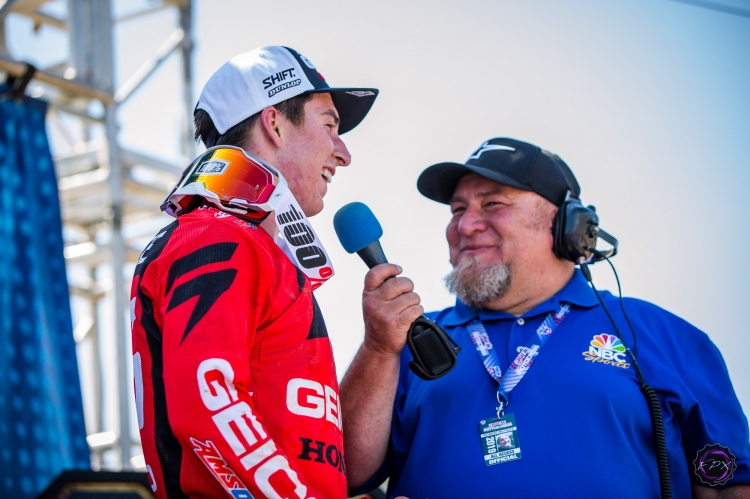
293	109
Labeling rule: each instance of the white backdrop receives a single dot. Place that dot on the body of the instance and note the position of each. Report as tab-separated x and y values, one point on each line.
646	100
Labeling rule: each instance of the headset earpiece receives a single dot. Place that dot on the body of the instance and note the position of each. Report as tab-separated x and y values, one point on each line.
575	230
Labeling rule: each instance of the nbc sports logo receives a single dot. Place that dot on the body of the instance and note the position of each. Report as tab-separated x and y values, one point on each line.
607	349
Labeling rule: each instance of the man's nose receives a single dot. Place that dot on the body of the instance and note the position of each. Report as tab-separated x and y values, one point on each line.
471	222
341	153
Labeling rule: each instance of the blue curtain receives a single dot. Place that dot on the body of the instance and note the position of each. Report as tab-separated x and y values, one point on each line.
41	414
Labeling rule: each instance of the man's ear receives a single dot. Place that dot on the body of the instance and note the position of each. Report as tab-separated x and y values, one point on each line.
551	217
271	124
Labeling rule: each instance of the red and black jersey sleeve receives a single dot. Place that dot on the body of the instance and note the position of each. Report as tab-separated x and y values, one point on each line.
238	387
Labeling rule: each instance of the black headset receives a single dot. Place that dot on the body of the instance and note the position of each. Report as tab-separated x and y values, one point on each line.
575	230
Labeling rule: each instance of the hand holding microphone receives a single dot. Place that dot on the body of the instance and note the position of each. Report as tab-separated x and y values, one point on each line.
390	306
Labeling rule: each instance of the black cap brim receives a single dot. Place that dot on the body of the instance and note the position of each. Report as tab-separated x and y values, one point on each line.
352	104
438	182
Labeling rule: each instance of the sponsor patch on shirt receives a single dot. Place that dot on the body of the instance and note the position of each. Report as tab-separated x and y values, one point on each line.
217	465
607	349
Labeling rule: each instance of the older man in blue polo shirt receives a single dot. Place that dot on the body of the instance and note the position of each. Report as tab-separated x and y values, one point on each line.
574	420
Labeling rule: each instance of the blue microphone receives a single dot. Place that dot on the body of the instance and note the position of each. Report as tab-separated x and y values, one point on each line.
360	232
433	351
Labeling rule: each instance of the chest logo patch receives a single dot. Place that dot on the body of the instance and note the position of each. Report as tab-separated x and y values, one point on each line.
607	349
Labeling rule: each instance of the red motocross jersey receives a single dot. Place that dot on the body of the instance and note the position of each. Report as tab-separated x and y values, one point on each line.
235	383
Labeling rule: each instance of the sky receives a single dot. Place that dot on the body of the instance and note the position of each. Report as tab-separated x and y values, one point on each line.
646	100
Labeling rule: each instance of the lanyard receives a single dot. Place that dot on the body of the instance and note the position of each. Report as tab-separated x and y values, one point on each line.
523	361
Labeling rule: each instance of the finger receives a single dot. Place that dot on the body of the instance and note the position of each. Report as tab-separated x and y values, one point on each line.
388	314
404	301
382	302
379	274
412	313
392	288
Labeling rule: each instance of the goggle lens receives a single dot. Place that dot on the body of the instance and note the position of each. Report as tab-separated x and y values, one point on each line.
230	174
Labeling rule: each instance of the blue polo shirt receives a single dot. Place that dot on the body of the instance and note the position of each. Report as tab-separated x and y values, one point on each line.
584	428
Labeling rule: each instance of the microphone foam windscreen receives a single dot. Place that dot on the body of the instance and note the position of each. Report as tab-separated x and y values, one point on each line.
356	227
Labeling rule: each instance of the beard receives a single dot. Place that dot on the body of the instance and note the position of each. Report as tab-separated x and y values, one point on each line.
476	285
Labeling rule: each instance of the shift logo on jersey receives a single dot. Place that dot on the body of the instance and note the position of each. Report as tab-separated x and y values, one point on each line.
607	349
217	465
714	464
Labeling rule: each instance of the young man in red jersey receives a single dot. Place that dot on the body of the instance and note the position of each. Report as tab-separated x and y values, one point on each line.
235	382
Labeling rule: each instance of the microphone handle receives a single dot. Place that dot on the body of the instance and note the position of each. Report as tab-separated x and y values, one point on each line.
372	254
433	351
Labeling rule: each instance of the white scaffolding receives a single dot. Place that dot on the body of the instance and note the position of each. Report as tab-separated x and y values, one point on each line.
104	188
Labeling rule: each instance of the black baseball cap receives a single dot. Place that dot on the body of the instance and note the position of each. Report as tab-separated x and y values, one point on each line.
508	162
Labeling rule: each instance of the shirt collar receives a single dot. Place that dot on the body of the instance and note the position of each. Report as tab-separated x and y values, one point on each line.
576	292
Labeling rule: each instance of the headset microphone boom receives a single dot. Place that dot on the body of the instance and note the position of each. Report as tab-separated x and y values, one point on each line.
433	351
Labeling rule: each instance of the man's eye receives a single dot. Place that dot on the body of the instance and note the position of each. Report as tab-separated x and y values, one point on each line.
458	210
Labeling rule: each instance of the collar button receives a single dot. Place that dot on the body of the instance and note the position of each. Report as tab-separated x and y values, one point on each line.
521	322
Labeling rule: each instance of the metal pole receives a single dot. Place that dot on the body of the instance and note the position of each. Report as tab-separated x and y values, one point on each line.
186	23
101	71
148	68
117	247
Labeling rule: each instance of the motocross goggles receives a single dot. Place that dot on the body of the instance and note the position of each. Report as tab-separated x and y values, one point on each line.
230	179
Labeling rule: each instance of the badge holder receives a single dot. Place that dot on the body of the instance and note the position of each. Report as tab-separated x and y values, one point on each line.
433	351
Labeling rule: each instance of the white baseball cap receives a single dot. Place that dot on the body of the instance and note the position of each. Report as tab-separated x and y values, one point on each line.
252	81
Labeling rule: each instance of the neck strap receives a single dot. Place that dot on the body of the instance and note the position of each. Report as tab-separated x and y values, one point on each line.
523	361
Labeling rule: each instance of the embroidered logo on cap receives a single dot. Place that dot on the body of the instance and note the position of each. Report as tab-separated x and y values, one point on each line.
360	93
282	80
284	86
714	464
489	147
